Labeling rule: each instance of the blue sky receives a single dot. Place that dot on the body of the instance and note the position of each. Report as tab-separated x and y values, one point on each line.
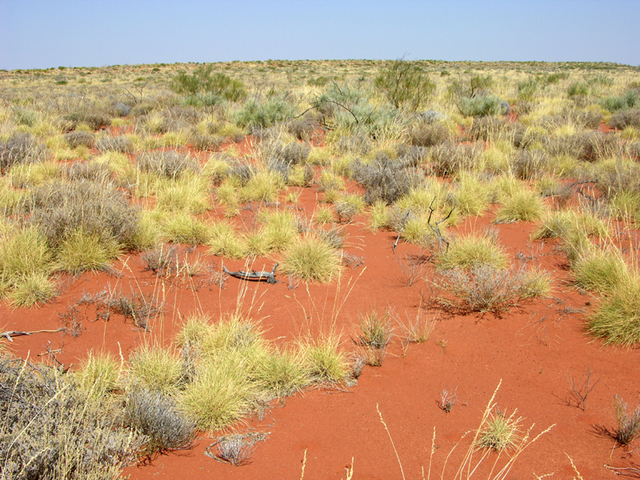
72	33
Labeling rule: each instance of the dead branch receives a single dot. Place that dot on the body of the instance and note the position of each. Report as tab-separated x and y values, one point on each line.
13	333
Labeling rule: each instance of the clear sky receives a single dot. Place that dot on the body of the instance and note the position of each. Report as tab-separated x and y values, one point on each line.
78	33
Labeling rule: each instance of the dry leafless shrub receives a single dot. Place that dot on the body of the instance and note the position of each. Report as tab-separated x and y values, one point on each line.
48	423
346	211
425	135
625	118
447	399
628	423
236	448
169	163
385	179
157	416
137	307
412	267
350	261
580	389
334	237
61	208
21	148
162	260
530	164
76	139
120	144
242	171
448	159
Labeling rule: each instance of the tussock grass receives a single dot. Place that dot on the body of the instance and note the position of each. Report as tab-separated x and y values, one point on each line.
524	205
82	251
225	241
323	359
98	375
500	432
474	251
311	259
152	367
600	270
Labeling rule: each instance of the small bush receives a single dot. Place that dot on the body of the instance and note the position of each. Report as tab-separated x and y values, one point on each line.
48	422
425	135
487	128
21	148
204	82
61	208
80	138
94	119
115	144
405	84
157	416
628	424
263	114
448	159
480	106
485	288
169	163
385	179
628	118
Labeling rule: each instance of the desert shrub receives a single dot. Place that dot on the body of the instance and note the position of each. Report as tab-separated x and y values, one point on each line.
122	109
169	163
629	99
93	171
302	128
206	142
385	179
120	144
481	106
578	89
162	260
405	84
256	113
76	139
203	81
47	423
21	148
448	159
61	208
530	164
628	118
425	135
94	119
485	288
310	258
587	146
628	423
489	128
157	416
358	144
527	89
474	251
137	307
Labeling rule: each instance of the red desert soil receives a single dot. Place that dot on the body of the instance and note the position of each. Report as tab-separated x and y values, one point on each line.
532	349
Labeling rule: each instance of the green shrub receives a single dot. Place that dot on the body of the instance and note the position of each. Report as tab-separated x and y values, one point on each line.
262	114
204	82
480	106
474	251
405	84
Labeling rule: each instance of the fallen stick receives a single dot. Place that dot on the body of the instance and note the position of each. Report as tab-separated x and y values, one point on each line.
13	333
269	277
